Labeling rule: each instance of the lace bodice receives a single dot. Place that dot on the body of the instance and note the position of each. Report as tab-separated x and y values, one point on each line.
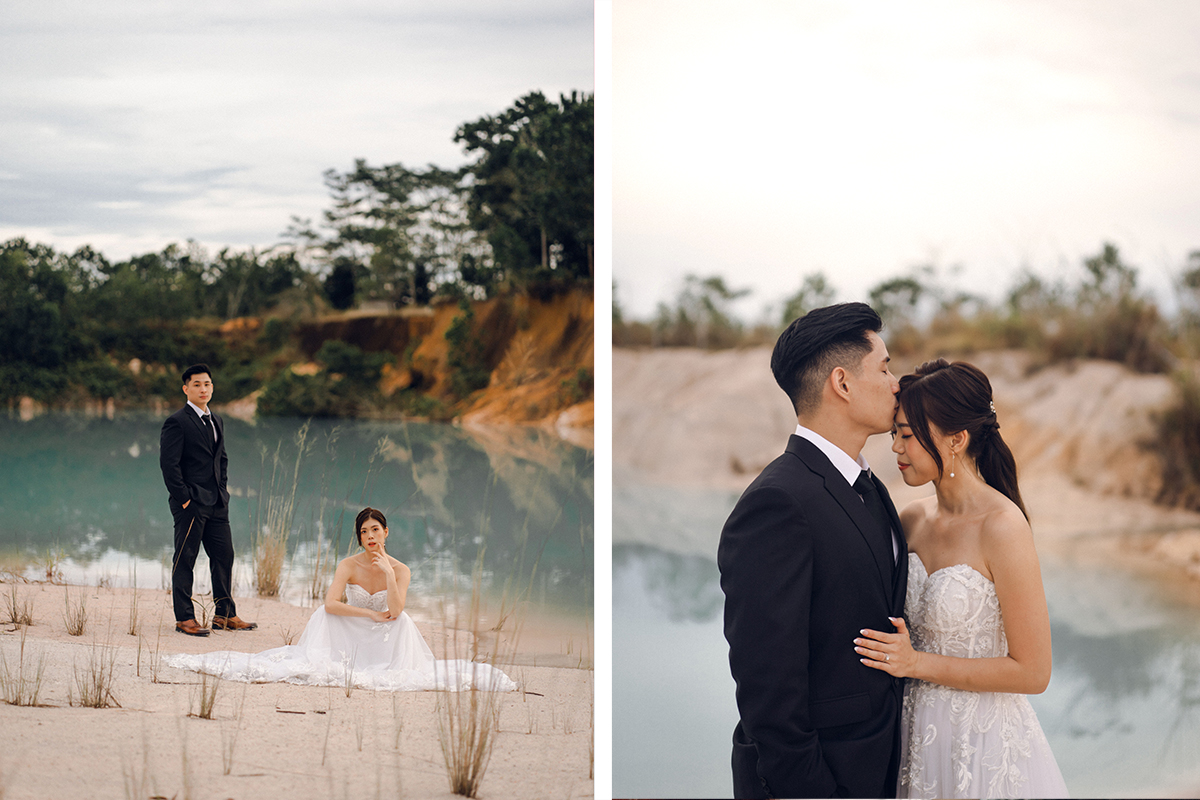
357	596
957	743
954	612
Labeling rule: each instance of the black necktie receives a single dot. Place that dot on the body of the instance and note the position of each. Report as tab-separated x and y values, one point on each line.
208	423
870	495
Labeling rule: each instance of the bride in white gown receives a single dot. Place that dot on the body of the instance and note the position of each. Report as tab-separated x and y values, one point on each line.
368	640
975	604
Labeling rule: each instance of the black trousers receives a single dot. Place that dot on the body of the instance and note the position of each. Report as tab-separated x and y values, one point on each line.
209	526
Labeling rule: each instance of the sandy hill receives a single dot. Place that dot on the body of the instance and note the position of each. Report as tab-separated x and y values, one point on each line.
696	420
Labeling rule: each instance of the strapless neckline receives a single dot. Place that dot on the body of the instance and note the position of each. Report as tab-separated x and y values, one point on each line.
929	574
364	591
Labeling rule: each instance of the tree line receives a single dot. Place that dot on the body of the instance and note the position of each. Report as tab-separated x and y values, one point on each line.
516	217
1101	312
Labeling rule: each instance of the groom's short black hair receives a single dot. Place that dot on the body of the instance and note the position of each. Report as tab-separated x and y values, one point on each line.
196	369
824	338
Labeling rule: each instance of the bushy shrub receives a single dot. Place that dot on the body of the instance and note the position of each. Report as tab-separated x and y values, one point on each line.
347	385
292	395
356	367
468	372
1178	445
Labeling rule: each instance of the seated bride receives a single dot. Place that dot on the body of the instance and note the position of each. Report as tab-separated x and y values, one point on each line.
368	640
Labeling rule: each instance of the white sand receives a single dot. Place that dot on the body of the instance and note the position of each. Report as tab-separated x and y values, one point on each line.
292	741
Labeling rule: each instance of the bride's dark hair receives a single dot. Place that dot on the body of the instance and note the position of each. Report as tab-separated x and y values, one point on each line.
958	397
364	515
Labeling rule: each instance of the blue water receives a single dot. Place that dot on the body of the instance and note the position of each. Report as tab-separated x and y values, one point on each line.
517	502
1122	712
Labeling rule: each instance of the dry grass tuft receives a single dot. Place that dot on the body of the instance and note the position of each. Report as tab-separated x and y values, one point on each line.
208	687
270	548
156	655
207	606
467	719
95	682
22	686
135	625
323	565
76	614
51	564
17	611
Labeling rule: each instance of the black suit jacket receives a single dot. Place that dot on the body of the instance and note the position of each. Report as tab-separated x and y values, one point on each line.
802	575
194	466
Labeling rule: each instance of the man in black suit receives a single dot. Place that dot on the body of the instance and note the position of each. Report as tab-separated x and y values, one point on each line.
813	553
194	467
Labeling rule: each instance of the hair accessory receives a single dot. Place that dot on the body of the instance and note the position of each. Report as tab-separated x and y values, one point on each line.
992	405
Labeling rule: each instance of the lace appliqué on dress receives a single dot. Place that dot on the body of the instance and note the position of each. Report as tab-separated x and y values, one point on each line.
994	744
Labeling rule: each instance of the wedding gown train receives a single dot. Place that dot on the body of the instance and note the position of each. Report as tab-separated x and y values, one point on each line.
389	656
955	743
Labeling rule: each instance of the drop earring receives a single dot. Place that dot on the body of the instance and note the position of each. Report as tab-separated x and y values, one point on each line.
951	463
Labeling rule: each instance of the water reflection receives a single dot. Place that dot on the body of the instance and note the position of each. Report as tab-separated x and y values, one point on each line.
519	496
1122	712
678	586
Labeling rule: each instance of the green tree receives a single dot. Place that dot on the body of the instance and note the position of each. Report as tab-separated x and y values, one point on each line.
405	231
702	316
32	292
815	292
897	299
249	282
1107	276
530	188
339	284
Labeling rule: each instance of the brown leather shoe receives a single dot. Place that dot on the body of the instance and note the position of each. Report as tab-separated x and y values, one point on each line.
232	624
191	628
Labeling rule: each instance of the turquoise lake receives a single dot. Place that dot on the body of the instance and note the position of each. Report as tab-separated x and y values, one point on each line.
512	505
1122	712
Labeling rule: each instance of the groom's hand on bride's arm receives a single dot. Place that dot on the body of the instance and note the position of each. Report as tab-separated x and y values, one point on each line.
891	652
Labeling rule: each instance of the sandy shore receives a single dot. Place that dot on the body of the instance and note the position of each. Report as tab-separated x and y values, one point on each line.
291	741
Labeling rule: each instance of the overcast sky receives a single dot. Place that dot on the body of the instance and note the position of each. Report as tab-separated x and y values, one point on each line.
765	141
128	125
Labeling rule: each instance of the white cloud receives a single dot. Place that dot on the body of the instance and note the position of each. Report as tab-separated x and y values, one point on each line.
161	121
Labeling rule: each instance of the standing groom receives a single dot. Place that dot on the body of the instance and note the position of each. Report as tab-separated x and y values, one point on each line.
813	553
194	467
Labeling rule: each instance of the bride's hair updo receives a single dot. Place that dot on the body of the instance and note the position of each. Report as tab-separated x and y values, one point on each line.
363	516
958	397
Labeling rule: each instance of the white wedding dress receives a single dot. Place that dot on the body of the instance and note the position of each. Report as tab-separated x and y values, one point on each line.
955	743
389	656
